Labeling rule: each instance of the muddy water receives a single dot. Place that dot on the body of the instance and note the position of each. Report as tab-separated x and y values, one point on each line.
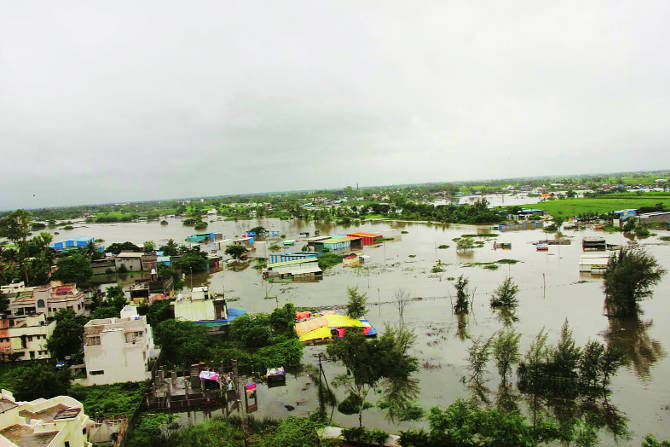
550	292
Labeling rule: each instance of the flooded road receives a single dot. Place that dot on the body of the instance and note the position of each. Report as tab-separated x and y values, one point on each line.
551	291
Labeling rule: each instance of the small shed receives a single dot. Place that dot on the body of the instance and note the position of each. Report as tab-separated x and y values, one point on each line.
594	243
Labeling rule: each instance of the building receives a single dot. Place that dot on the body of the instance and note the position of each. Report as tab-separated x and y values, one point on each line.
149	262
201	308
657	216
25	338
118	349
80	242
336	243
13	288
368	238
132	261
47	299
204	237
56	422
282	257
594	263
594	243
103	266
305	272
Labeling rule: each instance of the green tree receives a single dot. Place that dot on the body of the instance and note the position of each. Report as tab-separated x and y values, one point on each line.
170	248
148	246
158	311
118	247
236	251
183	343
356	302
75	267
505	294
68	335
629	279
384	362
462	298
192	260
651	441
41	380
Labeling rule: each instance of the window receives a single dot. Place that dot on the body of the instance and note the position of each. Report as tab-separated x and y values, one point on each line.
93	341
40	303
67	443
97	372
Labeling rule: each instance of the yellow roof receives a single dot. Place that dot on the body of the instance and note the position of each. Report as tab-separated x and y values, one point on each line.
320	327
342	321
321	333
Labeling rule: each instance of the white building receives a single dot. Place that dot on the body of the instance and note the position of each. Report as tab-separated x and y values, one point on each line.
25	338
118	349
56	422
200	307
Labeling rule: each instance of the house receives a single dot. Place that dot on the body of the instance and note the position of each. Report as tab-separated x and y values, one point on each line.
130	260
13	288
58	421
118	349
47	299
25	338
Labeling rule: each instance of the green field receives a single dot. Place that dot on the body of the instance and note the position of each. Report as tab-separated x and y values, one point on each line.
574	207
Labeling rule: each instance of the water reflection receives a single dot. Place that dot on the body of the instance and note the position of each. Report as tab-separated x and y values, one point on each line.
462	328
507	316
629	336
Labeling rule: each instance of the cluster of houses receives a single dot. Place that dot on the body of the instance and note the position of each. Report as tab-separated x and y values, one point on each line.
109	343
303	266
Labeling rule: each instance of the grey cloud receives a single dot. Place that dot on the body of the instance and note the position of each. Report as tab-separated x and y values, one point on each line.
139	100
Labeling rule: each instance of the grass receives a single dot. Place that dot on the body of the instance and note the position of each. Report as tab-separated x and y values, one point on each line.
442	247
575	207
119	399
373	216
665	238
480	235
491	265
329	259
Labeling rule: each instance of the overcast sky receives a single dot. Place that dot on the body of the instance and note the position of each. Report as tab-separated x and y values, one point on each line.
139	100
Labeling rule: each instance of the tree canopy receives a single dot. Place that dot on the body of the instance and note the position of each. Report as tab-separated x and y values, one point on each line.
629	279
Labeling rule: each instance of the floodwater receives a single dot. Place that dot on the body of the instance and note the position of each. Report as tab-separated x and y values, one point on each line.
551	291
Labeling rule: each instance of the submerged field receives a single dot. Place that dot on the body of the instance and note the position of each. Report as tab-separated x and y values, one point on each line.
575	207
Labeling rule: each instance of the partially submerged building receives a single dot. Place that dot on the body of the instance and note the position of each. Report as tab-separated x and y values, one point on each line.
594	243
25	338
282	257
656	216
337	243
305	269
118	349
594	263
368	238
201	308
327	327
204	237
56	422
130	260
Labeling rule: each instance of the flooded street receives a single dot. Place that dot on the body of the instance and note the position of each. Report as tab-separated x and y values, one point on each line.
550	293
